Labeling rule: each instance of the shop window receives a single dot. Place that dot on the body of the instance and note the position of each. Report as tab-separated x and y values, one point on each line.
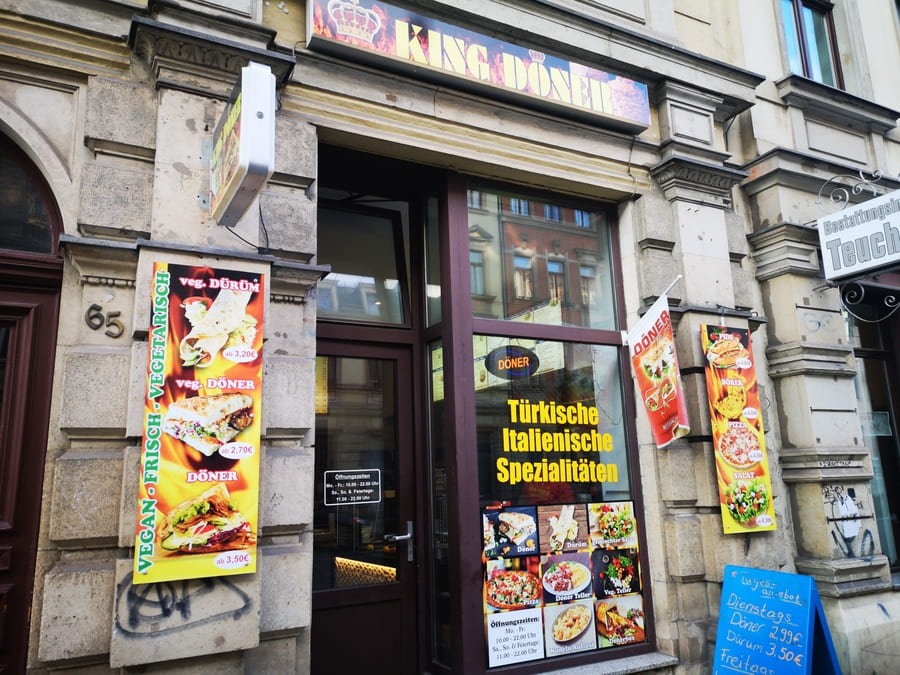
878	400
556	280
560	508
513	263
476	272
810	37
24	222
559	522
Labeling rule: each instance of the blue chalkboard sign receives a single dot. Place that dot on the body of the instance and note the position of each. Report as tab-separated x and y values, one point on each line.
772	623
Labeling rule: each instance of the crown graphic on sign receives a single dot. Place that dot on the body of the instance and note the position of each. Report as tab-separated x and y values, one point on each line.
354	21
536	56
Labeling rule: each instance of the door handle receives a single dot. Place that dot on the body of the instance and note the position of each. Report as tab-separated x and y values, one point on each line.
404	537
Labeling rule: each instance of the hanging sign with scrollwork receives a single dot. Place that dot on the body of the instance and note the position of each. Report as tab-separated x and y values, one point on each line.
861	237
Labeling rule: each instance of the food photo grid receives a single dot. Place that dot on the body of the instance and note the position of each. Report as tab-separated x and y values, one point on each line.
560	579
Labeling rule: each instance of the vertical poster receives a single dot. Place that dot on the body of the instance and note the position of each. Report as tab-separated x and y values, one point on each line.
745	486
198	496
651	344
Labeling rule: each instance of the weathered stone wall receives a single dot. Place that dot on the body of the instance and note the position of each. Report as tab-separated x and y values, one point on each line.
124	154
118	112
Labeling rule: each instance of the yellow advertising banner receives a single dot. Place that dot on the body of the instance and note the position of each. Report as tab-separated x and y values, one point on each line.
198	499
742	466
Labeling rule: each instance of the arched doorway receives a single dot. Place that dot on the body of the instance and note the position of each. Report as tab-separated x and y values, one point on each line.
30	279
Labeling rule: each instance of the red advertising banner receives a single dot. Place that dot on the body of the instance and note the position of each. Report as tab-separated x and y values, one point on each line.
745	486
651	344
199	484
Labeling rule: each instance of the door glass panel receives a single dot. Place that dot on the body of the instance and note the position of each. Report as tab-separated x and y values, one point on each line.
364	248
432	263
440	543
356	473
539	261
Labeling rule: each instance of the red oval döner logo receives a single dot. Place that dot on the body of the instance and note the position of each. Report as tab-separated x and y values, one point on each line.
511	362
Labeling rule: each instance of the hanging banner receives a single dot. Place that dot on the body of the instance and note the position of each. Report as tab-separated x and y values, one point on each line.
651	344
745	486
198	496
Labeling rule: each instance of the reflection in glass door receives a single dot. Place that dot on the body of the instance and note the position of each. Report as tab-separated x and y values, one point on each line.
356	470
363	551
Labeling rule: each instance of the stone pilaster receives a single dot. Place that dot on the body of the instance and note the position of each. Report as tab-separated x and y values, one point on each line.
823	462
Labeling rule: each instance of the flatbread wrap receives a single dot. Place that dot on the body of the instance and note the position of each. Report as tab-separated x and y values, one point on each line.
516	526
212	328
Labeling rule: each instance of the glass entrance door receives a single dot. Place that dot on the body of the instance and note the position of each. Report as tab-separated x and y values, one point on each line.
364	584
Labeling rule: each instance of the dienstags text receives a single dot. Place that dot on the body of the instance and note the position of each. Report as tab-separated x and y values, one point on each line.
567	432
153	422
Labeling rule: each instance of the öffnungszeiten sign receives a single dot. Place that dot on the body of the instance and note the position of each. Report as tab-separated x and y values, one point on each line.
862	237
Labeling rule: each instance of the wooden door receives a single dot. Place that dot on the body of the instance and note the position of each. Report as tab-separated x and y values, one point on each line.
27	342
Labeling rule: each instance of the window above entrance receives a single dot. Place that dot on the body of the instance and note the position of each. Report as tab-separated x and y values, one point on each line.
364	247
539	261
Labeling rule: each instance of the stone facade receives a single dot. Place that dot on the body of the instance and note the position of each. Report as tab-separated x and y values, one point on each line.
116	101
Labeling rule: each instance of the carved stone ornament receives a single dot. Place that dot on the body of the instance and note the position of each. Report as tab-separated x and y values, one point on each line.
693	180
200	63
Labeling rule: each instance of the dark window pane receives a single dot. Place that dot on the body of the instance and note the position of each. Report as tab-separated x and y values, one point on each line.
361	245
23	214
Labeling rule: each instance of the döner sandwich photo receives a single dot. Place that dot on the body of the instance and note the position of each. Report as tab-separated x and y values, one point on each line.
516	526
207	523
207	422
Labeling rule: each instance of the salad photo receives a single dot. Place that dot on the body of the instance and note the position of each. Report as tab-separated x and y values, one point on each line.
746	499
612	524
616	572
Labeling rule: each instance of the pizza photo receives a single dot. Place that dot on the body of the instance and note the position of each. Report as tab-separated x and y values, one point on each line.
739	446
512	589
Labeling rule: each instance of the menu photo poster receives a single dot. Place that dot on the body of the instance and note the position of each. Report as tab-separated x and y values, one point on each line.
742	466
198	500
560	579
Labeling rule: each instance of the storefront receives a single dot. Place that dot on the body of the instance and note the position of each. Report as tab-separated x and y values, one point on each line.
548	440
522	316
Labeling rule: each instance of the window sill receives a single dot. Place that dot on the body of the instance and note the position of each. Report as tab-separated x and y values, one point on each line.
644	663
836	105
